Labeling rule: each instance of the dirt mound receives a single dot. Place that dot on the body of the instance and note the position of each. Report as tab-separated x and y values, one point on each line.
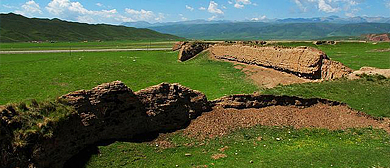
108	111
191	49
268	77
112	111
221	121
370	71
378	37
324	42
301	61
178	45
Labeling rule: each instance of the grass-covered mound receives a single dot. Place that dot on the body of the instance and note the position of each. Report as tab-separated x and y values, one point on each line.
23	126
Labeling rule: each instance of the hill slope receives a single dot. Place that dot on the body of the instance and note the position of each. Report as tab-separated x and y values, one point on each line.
17	28
260	30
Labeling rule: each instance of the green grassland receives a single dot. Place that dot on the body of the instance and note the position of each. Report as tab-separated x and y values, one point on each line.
142	44
47	76
295	148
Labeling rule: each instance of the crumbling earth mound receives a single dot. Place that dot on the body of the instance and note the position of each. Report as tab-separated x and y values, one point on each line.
112	111
191	49
242	111
108	111
304	62
378	37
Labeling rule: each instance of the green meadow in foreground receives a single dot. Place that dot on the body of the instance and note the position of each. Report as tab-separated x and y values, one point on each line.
47	76
256	147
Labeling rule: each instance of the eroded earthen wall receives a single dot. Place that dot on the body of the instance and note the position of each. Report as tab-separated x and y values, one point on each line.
305	62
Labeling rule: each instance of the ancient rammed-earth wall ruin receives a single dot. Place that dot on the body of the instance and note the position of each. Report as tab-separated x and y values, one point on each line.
305	62
113	111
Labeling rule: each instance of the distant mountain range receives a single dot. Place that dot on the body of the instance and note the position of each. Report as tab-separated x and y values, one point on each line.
332	27
17	28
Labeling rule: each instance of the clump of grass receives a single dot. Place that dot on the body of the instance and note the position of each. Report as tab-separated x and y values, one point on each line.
28	123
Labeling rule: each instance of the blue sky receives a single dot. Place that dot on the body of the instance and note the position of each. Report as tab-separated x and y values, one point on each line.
118	11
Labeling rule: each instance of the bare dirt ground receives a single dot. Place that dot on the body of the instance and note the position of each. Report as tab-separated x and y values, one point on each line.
268	77
370	71
222	121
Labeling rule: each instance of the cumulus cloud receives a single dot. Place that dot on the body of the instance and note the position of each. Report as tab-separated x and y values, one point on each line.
140	14
182	17
328	6
73	10
212	17
241	3
189	8
259	18
202	8
387	4
29	8
213	8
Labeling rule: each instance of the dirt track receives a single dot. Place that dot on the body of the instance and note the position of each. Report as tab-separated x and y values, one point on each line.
86	50
222	121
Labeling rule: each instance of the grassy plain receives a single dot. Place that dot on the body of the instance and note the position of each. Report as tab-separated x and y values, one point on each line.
46	76
84	45
244	148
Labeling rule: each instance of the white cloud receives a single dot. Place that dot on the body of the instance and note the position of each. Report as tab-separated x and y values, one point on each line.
325	7
212	18
238	6
230	2
328	6
29	8
75	11
182	17
241	3
144	15
189	8
202	8
259	18
141	14
9	6
213	8
387	4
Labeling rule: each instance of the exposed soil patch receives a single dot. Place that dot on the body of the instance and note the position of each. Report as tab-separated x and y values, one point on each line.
370	71
218	156
380	50
269	78
221	121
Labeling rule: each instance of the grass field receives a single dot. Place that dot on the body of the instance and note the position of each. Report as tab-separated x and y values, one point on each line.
47	76
84	45
295	148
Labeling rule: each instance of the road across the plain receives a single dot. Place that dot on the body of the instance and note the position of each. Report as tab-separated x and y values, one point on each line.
85	50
